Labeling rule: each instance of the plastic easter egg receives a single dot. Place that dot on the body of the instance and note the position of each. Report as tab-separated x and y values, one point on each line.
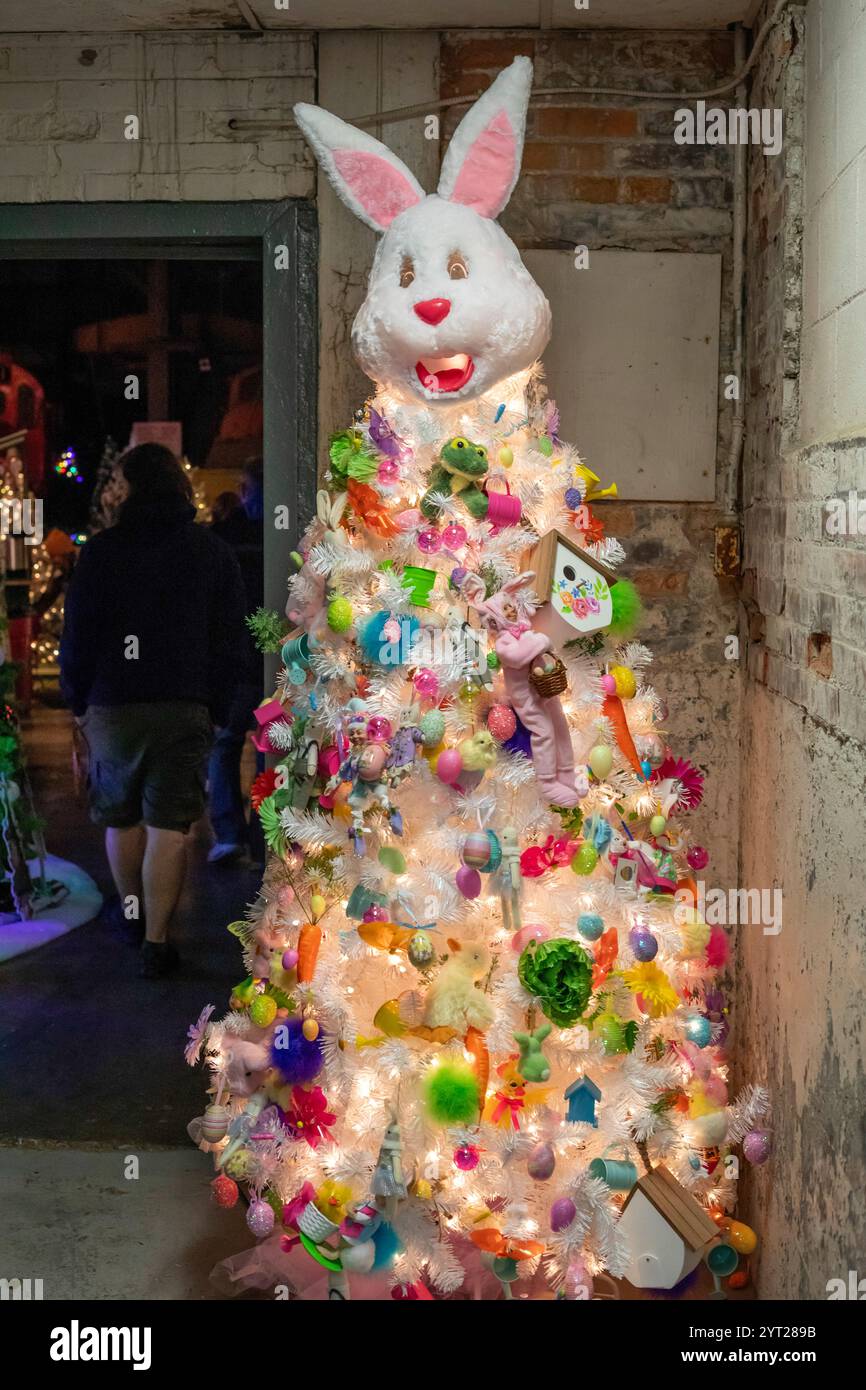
426	683
585	859
215	1123
646	768
421	950
371	763
475	850
657	825
506	455
625	685
260	1218
697	857
290	959
263	1010
339	614
317	905
393	859
449	766
757	1146
643	944
493	662
600	761
224	1191
562	1213
502	722
590	926
454	536
545	445
379	729
541	1162
388	471
310	1029
429	541
533	931
375	913
468	881
466	1158
699	1030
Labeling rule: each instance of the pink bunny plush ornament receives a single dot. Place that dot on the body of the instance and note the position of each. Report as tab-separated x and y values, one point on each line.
518	646
451	310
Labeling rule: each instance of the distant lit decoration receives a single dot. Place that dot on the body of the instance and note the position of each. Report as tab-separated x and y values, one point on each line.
67	466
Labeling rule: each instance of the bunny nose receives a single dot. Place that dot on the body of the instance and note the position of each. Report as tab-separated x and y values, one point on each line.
433	310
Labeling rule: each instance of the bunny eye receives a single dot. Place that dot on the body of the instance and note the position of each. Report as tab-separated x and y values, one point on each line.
457	267
407	273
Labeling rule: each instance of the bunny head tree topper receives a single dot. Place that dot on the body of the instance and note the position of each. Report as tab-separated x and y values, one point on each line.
451	309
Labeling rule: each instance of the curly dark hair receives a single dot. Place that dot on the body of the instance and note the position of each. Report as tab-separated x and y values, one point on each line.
154	475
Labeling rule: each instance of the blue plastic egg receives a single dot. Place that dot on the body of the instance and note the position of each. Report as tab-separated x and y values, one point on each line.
590	926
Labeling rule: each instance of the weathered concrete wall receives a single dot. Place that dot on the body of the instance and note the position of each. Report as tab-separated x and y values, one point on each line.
798	1004
607	173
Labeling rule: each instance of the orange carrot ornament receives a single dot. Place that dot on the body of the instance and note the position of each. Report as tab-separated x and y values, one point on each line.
612	709
475	1045
309	941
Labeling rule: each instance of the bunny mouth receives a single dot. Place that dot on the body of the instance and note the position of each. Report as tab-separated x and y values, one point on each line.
445	373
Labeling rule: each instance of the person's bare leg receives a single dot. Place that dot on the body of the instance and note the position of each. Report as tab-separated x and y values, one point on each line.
125	851
163	875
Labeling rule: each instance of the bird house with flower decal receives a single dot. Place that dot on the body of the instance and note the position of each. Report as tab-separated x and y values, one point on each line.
666	1229
574	587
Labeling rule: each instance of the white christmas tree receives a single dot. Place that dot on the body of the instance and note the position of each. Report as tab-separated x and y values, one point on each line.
481	1036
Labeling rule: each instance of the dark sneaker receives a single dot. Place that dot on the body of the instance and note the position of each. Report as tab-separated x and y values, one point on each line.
158	958
130	929
224	853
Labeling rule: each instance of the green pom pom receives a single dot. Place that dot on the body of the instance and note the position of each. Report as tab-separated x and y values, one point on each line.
627	608
559	973
268	629
451	1094
339	614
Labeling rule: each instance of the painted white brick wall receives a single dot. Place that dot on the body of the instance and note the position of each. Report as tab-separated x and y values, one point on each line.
63	100
833	399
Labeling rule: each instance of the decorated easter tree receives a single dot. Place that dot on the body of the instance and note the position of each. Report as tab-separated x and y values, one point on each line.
480	1038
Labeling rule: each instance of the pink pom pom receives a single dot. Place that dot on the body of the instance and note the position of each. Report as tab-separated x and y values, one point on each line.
468	881
717	947
608	685
449	766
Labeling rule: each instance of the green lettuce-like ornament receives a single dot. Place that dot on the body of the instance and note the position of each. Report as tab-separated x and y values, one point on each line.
559	974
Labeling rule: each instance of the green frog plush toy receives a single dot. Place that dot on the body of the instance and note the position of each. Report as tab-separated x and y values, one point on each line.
461	466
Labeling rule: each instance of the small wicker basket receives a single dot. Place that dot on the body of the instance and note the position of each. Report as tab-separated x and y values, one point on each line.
552	683
316	1225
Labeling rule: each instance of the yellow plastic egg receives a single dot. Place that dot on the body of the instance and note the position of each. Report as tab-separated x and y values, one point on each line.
626	685
506	456
317	905
310	1029
741	1236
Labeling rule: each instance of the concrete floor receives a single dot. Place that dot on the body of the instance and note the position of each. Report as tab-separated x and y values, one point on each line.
92	1070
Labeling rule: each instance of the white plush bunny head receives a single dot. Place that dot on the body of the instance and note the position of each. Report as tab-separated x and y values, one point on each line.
451	309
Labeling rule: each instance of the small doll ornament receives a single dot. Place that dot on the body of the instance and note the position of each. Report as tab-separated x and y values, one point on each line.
389	1179
520	649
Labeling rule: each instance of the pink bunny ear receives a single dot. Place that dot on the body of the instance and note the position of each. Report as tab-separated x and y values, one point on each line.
482	163
372	182
473	589
520	581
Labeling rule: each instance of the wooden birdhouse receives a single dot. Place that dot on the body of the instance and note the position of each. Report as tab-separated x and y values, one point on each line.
667	1231
582	1096
574	584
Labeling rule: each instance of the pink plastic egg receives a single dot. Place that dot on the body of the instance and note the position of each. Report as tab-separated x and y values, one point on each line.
562	1213
449	766
468	881
502	722
454	536
286	896
372	761
697	857
290	959
379	729
426	683
429	541
533	931
466	1158
388	471
375	914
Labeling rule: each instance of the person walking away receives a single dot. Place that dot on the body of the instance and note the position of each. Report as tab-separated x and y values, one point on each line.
153	625
243	531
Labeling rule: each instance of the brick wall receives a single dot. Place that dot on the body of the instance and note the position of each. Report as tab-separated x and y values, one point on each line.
799	1004
607	173
63	100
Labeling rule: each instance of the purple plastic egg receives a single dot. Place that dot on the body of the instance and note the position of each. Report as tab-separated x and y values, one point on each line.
541	1162
468	881
290	959
260	1218
757	1146
562	1213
